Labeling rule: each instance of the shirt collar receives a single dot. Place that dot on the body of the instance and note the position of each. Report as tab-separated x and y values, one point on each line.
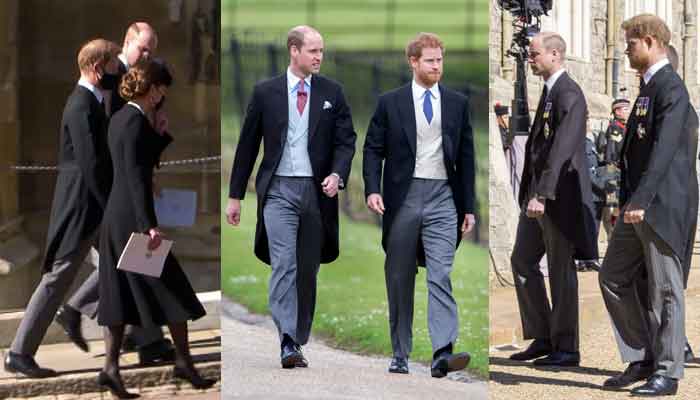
654	69
122	58
293	81
89	86
553	79
419	91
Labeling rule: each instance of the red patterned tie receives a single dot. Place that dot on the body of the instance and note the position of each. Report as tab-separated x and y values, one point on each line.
301	97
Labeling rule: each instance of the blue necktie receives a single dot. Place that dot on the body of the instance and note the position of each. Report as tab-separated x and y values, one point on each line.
427	106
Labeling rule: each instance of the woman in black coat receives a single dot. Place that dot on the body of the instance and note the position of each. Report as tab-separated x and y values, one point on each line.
127	297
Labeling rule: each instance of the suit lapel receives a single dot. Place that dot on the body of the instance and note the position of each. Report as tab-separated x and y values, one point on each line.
282	103
408	115
315	105
446	114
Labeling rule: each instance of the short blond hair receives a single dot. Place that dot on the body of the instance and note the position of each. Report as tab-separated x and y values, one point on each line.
133	31
96	52
553	41
648	24
296	35
423	40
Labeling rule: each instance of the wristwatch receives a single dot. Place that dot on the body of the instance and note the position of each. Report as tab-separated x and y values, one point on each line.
341	184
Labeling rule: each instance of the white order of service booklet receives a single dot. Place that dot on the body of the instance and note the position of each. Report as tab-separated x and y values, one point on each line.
136	256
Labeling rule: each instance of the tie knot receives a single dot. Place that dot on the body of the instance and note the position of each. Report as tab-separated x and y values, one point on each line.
301	87
427	94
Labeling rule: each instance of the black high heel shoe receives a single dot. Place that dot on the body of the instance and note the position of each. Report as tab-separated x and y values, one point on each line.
115	387
191	376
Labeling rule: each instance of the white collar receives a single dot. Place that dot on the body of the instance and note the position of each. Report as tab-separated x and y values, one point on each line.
293	80
138	107
92	88
553	79
419	91
122	58
654	69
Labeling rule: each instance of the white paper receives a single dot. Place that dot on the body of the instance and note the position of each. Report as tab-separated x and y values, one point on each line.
175	207
137	258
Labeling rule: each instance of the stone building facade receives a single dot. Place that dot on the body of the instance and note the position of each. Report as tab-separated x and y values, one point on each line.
595	50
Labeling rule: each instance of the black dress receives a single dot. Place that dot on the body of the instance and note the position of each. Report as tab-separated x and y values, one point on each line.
126	297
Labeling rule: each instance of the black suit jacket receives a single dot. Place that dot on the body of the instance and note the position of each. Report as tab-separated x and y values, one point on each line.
116	100
84	176
658	160
391	145
555	164
331	148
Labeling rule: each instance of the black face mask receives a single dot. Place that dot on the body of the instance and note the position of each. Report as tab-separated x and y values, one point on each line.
160	103
109	81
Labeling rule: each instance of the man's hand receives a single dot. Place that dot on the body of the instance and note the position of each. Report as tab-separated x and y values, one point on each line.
633	215
330	185
375	203
535	208
233	212
156	237
468	224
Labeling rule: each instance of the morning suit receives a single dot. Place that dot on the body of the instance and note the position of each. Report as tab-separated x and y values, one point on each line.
82	187
297	224
556	170
423	165
657	175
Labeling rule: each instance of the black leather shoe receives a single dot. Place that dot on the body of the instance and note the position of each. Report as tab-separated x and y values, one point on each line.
399	365
115	386
291	356
160	351
193	377
559	359
25	365
657	385
689	356
69	319
302	362
538	348
447	362
636	371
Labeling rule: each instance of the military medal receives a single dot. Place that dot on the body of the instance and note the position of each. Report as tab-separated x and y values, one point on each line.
545	117
546	130
641	132
642	106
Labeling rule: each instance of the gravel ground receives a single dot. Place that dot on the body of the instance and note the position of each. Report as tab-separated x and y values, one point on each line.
599	360
251	369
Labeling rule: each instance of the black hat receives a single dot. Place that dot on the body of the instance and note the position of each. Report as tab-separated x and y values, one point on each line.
619	103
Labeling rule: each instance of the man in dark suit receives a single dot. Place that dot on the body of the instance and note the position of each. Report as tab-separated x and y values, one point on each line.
422	135
306	126
658	195
83	183
555	194
140	42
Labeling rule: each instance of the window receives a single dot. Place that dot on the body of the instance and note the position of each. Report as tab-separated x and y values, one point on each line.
572	20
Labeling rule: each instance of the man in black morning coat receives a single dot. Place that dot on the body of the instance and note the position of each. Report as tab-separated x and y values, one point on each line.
555	194
659	200
82	187
309	142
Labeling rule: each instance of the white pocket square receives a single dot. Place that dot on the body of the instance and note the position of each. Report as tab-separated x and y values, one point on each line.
327	105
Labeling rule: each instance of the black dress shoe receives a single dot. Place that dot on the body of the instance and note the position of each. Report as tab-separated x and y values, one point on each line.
657	385
25	365
447	362
291	356
302	362
689	356
115	386
559	359
538	348
160	351
399	365
636	371
69	319
193	377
